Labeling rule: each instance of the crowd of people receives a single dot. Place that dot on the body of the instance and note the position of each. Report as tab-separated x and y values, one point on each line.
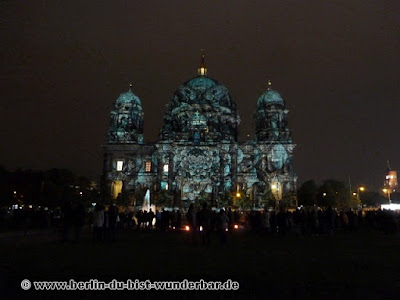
317	221
302	221
105	221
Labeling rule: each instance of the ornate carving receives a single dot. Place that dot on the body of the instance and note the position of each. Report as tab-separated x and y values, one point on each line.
199	164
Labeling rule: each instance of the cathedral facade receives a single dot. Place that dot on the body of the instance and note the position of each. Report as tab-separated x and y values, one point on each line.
197	154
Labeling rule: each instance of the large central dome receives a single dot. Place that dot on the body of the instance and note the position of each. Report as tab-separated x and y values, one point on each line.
201	83
201	98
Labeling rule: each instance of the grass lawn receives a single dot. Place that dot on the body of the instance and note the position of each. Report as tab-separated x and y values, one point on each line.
363	265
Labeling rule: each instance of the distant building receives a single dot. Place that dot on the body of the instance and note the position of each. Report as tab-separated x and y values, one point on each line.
390	182
197	152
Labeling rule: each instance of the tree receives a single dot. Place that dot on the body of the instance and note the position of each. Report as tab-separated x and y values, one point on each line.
244	202
333	193
58	186
307	193
288	199
6	195
60	177
83	182
140	192
89	196
123	200
355	201
203	197
225	199
27	184
164	198
267	198
372	198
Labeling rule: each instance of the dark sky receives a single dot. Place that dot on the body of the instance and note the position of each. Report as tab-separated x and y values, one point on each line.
335	63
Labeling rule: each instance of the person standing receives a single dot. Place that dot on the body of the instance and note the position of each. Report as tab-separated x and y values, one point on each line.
192	221
98	222
205	223
113	219
67	214
78	219
222	225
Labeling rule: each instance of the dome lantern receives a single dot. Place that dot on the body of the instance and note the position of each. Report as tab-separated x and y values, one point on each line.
202	70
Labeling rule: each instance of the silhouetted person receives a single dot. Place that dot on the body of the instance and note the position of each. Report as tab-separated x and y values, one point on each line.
139	216
78	219
112	221
174	219
67	220
150	217
192	221
222	225
205	223
230	217
330	220
98	222
26	216
165	218
158	219
266	222
282	222
345	220
273	222
178	220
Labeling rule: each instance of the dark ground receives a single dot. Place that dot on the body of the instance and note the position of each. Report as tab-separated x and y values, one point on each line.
361	265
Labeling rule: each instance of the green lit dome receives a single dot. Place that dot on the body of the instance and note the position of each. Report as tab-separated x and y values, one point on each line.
201	103
201	83
270	97
202	90
126	124
128	97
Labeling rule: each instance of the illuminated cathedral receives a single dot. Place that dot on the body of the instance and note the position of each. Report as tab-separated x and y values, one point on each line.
198	154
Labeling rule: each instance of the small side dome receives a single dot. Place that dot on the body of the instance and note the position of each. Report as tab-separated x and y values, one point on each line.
126	124
271	117
270	97
128	97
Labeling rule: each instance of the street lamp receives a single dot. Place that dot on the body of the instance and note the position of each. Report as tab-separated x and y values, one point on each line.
276	191
360	189
387	191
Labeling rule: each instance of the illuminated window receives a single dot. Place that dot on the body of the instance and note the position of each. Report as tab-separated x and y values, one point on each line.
148	166
164	185
120	164
165	168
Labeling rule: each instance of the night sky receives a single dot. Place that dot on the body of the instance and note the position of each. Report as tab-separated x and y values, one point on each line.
335	63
